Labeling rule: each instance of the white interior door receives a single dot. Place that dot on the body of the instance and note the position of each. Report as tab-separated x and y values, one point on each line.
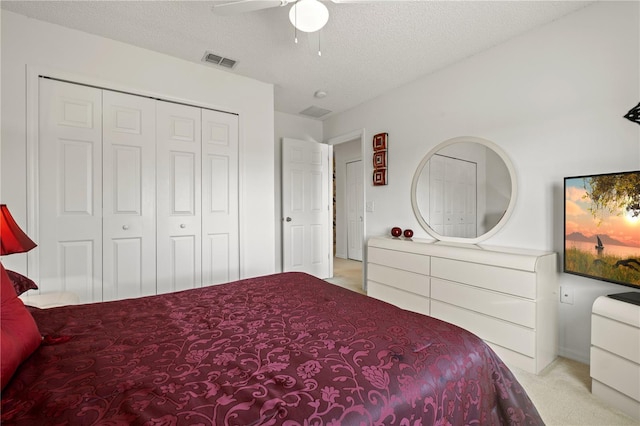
220	244
305	207
355	210
70	189
178	197
129	208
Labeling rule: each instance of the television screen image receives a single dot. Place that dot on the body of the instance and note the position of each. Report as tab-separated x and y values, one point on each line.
602	227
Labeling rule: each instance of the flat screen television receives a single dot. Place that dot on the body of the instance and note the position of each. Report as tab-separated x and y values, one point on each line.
602	227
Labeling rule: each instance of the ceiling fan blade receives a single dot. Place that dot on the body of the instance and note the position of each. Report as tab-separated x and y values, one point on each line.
243	6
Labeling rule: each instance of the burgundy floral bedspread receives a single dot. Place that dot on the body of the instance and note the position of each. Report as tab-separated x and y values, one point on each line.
285	349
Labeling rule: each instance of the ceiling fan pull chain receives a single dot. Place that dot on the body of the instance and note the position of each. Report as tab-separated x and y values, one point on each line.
319	50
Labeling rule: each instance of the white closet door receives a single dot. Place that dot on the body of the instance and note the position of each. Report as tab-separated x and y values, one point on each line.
452	197
436	194
129	210
179	218
220	246
470	179
459	198
70	189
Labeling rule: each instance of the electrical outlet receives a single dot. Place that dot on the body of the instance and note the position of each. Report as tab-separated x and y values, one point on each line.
566	295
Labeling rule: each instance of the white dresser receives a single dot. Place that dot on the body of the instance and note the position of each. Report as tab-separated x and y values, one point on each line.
506	296
615	354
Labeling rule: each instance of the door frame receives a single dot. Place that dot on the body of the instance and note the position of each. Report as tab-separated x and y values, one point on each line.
336	140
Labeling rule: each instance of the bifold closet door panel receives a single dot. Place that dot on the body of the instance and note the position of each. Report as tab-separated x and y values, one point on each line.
179	218
220	244
452	196
129	191
70	189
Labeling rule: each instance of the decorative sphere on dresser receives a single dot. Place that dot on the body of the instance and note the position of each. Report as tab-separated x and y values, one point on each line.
396	232
408	233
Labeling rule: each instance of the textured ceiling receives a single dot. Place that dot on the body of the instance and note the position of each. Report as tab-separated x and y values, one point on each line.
368	47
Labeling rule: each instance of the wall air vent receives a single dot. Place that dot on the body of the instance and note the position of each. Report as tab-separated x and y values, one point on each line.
315	112
221	61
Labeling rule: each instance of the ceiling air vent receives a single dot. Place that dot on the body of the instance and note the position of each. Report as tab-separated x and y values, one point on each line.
221	61
315	112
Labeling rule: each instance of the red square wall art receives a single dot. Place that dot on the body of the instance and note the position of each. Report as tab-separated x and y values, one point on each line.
380	177
380	142
380	159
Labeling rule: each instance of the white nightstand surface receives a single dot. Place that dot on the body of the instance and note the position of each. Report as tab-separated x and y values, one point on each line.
616	310
50	300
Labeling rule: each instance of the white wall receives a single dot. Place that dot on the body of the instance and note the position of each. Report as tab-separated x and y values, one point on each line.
343	153
553	99
31	43
294	127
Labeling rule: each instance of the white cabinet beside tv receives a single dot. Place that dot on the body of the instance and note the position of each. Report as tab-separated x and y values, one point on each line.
615	354
506	296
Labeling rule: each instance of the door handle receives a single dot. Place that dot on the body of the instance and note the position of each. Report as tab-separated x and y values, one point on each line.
288	219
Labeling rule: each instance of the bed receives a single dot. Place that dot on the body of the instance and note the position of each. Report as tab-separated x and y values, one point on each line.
284	349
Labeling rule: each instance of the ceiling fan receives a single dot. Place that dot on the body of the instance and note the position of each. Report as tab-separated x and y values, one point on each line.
306	15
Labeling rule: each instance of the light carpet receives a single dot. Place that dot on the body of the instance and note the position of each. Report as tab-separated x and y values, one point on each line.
562	395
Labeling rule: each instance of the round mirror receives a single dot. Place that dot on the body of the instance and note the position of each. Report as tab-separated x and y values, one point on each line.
464	190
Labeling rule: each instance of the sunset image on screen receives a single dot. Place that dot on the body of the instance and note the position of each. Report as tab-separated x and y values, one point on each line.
602	227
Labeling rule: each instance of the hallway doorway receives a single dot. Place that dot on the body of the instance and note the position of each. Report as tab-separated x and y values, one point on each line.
348	202
347	273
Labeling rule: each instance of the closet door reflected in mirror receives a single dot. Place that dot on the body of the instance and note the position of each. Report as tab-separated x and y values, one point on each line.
464	190
452	200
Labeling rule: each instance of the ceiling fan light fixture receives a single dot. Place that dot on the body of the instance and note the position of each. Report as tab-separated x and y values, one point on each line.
308	15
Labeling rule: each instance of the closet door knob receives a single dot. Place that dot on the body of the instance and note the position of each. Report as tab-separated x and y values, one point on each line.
125	227
182	225
288	219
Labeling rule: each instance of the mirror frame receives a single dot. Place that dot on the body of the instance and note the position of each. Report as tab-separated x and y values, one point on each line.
505	216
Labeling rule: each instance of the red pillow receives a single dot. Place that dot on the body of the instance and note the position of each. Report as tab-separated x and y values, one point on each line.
21	283
19	334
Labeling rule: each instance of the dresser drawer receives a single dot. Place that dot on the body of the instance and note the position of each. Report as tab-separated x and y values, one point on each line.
515	359
400	298
618	373
616	337
504	280
403	280
509	308
400	260
508	335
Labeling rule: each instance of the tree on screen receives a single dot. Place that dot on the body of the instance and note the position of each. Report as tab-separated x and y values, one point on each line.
614	193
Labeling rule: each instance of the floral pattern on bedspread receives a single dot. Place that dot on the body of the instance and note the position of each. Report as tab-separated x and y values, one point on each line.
286	349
